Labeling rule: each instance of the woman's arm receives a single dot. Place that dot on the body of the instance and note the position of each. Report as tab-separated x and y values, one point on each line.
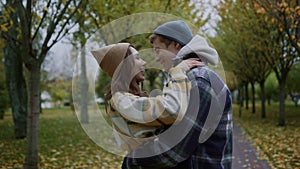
168	107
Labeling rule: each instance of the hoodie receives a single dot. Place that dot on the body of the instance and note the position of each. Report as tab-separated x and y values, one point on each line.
200	47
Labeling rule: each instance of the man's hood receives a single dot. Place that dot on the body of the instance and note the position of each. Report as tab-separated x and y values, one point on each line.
199	46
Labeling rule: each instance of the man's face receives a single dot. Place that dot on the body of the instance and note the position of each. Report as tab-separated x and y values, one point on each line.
164	54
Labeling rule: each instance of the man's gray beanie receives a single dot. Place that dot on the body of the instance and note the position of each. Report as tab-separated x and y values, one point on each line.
178	31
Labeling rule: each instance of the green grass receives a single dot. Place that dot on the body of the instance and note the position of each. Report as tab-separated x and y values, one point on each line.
62	144
280	146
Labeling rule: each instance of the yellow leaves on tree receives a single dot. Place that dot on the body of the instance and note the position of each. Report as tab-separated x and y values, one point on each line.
4	27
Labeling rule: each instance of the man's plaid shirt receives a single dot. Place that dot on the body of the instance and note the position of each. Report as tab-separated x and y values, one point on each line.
205	146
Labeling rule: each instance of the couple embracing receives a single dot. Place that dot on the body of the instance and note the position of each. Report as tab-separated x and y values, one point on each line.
188	126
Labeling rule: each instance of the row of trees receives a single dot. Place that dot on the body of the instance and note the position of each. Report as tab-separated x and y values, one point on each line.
257	37
30	29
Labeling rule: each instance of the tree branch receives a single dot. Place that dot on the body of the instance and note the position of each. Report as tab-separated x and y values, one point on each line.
58	37
42	20
65	24
51	30
168	4
25	31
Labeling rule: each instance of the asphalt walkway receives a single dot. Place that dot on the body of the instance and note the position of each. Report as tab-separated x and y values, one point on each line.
244	153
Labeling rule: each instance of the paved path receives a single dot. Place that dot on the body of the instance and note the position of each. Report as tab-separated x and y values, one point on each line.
244	154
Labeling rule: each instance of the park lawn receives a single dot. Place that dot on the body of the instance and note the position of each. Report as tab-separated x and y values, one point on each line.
62	144
280	146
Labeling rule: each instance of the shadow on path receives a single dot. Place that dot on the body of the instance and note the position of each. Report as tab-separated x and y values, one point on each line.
244	153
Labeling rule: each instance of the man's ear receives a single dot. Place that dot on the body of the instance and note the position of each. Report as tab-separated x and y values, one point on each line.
177	46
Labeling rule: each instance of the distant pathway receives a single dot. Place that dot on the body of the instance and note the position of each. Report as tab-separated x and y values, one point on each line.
244	154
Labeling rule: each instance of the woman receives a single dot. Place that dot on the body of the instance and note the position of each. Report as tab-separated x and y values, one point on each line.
122	63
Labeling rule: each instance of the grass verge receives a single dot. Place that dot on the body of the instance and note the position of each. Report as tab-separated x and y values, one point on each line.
62	144
280	146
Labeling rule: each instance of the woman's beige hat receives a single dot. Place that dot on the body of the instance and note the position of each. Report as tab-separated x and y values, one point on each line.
109	57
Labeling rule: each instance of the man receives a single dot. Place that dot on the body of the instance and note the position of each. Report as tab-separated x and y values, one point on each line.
202	138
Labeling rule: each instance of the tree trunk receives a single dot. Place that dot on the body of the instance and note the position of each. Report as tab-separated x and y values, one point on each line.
1	114
281	120
16	86
253	97
84	116
262	95
151	76
247	96
151	82
240	98
269	101
31	159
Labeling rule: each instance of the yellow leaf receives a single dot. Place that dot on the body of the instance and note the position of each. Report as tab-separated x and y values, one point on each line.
11	22
10	8
72	10
4	28
280	28
53	159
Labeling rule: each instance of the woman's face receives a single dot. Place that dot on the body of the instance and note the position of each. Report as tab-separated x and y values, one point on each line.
139	66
